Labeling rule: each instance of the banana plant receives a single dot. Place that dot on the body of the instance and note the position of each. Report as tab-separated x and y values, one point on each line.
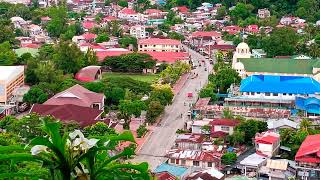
73	156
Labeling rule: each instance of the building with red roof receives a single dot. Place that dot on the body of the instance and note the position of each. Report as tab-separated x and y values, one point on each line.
78	95
193	158
165	176
128	14
181	9
189	141
267	143
252	28
87	25
89	74
160	45
168	57
89	36
69	112
222	127
232	29
111	52
200	38
308	157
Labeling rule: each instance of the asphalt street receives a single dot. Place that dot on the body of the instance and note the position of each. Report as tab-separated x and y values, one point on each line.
163	136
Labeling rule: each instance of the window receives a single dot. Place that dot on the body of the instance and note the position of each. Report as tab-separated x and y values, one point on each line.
275	94
209	164
196	163
258	92
140	46
290	94
224	128
145	46
183	162
267	94
284	94
172	161
252	93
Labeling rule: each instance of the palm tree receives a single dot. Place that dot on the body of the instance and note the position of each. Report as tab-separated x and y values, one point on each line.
305	125
73	156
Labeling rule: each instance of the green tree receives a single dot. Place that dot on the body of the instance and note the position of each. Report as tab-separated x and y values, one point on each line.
123	3
114	95
221	12
224	78
286	40
90	58
35	95
128	40
7	56
141	131
155	109
58	23
175	35
241	11
99	129
228	158
237	138
68	57
98	87
47	72
7	34
102	38
250	128
162	93
227	114
128	108
208	91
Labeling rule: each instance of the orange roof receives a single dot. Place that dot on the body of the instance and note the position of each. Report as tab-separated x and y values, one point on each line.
206	34
158	41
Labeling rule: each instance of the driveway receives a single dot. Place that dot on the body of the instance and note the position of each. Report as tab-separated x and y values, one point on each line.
162	138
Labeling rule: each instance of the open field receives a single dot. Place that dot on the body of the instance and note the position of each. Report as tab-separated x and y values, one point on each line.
141	77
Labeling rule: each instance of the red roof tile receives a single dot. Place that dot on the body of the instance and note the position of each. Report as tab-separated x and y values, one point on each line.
192	155
218	134
152	11
69	112
309	150
182	9
167	57
88	24
165	176
224	122
128	11
103	54
89	36
267	137
206	34
34	46
157	41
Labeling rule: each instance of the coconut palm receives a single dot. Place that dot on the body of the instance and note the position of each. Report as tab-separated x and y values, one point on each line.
73	156
305	125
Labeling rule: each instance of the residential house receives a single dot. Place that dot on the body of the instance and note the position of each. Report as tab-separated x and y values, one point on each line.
165	176
189	141
79	96
85	116
232	29
87	25
168	57
200	38
278	169
197	126
139	32
18	22
193	158
251	164
252	29
129	14
111	52
177	171
277	124
208	174
258	53
89	74
222	127
267	143
159	45
11	77
154	14
263	13
34	30
308	158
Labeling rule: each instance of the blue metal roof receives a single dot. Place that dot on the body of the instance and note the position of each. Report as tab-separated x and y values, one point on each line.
311	105
280	84
174	170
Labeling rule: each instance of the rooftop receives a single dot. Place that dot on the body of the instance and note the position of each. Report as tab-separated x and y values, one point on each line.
158	41
88	74
273	65
192	155
309	150
253	160
174	170
278	123
280	84
225	122
267	137
10	72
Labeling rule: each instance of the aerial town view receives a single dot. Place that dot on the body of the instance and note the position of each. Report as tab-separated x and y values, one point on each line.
160	89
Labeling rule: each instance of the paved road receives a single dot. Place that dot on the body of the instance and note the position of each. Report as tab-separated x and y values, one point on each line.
163	137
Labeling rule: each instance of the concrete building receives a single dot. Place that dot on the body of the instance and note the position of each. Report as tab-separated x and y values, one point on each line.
11	77
139	32
263	13
267	143
258	53
222	127
159	45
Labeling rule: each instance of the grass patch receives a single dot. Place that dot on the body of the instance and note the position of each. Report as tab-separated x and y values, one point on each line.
149	78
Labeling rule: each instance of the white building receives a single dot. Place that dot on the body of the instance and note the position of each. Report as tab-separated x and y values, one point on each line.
263	13
196	127
258	53
242	51
267	143
159	45
139	32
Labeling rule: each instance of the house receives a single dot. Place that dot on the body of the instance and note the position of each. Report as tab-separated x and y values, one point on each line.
79	96
165	176
222	127
34	30
168	57
277	124
24	40
159	45
208	174
192	158
278	169
232	29
189	141
263	13
87	25
111	52
89	74
267	143
197	126
258	53
308	158
177	171
85	116
310	105
128	14
154	14
18	22
252	29
11	77
250	165
199	38
139	32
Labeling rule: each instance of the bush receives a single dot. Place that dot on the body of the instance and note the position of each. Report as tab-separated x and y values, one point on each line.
141	131
229	158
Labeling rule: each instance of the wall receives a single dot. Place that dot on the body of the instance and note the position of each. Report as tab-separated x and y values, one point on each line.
159	48
218	128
